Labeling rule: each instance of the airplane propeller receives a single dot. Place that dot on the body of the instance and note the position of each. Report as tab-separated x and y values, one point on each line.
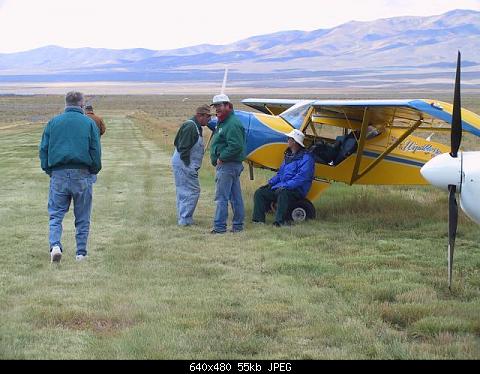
446	170
455	140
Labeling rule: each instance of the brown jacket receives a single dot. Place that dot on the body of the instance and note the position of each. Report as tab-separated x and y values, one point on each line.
98	121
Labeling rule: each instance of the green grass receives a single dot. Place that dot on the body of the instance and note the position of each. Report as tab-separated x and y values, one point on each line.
365	280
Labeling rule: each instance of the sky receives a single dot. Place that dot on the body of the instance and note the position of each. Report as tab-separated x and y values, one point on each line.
160	25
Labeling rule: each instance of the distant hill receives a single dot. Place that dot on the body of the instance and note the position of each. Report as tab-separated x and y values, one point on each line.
401	51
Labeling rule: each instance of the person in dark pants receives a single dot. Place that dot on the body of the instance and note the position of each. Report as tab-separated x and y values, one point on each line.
292	182
70	153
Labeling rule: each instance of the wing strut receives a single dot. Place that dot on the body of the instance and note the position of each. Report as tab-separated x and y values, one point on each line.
356	175
375	162
361	145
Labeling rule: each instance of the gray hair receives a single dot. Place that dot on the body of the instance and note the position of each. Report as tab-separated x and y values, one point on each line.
74	98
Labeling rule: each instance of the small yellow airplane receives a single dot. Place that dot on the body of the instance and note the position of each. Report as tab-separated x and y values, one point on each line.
368	142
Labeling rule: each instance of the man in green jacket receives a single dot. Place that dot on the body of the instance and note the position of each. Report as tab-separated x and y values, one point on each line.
186	161
70	153
227	151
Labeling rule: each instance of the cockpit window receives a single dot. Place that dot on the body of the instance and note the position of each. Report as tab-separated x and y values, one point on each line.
295	115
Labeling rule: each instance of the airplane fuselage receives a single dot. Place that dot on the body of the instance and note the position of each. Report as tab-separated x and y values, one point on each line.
267	142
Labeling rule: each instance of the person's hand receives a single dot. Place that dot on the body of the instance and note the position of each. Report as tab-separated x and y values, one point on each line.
219	162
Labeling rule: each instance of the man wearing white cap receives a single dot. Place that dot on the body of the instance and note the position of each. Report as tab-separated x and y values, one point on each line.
227	151
292	182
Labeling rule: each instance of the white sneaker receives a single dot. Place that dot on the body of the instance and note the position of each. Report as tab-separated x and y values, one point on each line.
80	257
55	254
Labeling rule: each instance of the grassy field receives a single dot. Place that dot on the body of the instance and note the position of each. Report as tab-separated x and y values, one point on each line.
365	280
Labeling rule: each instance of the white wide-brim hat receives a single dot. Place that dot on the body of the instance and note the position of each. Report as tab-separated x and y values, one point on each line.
298	136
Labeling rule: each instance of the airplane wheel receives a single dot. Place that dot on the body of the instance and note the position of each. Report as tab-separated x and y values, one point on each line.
300	211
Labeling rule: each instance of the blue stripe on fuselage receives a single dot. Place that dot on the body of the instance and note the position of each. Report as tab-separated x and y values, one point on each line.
395	159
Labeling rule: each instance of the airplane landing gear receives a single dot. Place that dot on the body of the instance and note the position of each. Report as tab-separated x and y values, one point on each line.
300	211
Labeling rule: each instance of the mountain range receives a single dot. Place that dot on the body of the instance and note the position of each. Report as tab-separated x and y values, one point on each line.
400	51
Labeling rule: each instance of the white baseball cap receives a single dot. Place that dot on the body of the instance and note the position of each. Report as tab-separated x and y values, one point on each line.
298	136
218	99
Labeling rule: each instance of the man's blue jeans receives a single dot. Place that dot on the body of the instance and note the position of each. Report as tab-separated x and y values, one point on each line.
228	188
65	185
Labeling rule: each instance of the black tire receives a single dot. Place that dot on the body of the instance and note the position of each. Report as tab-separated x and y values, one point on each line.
300	211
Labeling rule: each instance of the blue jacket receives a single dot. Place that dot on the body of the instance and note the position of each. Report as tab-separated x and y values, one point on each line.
296	172
71	140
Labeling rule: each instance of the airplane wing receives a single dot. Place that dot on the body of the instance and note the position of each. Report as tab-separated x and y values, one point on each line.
270	106
387	111
443	111
349	113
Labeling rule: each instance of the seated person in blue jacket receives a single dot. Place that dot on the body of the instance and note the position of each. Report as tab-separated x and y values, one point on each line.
292	182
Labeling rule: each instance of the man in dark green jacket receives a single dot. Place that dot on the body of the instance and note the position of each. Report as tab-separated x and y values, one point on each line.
186	161
227	151
70	153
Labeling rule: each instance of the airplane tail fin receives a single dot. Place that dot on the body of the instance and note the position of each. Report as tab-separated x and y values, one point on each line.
224	84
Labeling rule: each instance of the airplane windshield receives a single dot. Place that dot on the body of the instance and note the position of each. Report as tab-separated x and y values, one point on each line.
296	114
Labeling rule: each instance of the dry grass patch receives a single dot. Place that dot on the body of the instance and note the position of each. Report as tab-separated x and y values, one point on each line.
82	321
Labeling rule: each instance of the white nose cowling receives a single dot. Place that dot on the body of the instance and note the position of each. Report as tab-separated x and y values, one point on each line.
443	170
470	194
